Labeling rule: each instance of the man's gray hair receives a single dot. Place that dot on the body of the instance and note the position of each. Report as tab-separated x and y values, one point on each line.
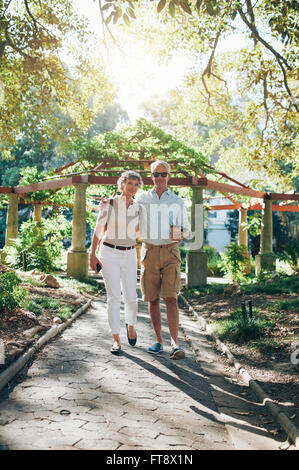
129	174
160	162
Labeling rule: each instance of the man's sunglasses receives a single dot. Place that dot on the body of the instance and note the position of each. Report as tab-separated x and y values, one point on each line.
163	174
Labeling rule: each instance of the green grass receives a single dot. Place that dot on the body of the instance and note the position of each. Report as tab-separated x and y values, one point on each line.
65	312
286	305
284	285
238	328
33	282
61	310
48	303
208	289
35	308
84	285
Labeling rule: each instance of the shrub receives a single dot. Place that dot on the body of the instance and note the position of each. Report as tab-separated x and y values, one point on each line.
290	253
213	261
240	327
11	294
234	261
39	245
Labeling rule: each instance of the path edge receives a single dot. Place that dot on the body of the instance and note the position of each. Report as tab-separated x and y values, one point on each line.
291	430
16	366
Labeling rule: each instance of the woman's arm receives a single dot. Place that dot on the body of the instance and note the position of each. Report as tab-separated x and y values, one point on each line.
97	237
92	257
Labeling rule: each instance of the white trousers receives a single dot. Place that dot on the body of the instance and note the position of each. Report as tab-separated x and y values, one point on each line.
119	270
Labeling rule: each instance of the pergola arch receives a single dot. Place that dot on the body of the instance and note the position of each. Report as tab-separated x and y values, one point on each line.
138	149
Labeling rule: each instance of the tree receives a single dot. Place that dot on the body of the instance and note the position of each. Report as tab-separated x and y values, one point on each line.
219	16
37	85
248	97
108	120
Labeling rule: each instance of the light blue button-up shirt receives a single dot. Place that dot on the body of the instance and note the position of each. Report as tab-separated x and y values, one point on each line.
159	214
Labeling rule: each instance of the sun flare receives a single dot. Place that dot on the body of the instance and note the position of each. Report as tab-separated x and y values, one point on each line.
136	73
138	77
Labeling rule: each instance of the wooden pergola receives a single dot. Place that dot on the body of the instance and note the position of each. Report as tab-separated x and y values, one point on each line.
107	171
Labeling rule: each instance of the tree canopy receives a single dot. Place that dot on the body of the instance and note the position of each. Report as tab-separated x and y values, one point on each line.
46	72
243	101
142	141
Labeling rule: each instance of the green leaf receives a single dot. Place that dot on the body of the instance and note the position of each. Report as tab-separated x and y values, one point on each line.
131	13
109	18
105	7
210	8
117	15
161	5
126	19
172	9
186	7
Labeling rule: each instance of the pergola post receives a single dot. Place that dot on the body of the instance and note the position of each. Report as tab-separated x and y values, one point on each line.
77	257
11	222
196	259
37	215
266	259
243	237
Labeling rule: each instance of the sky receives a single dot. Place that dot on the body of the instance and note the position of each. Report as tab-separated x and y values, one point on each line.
138	77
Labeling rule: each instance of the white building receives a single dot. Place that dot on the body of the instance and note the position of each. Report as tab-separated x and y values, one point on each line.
218	235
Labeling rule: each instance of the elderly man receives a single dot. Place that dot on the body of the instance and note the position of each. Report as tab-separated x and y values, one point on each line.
164	225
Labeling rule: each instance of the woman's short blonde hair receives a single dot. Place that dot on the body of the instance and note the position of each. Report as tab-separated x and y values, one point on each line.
126	175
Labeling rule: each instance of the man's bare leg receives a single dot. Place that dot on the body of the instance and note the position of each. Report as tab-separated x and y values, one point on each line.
173	319
155	314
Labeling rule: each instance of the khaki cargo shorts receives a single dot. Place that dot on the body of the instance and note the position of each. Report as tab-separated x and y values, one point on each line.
160	271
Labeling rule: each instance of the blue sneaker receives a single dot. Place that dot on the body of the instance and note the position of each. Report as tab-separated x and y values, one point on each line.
155	348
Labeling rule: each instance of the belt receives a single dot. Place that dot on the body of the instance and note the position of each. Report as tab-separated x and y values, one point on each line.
166	245
119	247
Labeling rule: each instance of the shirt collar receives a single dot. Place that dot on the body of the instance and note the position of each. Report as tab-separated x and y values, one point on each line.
153	191
119	196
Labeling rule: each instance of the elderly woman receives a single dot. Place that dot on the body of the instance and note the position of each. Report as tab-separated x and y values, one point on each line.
115	235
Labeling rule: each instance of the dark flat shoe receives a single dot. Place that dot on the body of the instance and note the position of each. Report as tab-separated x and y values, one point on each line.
132	342
115	350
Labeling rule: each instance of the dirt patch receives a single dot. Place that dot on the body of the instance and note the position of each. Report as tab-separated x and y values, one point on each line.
21	328
267	361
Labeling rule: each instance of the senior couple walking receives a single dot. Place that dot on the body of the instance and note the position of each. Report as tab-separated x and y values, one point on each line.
158	217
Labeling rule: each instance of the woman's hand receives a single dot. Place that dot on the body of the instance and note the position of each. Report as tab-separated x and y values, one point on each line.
94	261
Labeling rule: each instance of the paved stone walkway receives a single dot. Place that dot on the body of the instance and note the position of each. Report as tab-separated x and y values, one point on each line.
77	395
